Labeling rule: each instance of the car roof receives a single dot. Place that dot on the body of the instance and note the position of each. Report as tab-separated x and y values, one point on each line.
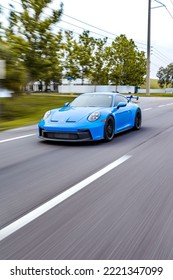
102	92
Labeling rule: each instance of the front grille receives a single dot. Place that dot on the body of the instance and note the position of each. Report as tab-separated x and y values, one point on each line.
67	136
59	135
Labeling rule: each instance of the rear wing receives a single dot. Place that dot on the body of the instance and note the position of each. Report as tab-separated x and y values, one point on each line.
130	97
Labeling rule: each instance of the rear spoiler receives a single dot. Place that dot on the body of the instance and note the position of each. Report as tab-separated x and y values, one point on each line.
130	97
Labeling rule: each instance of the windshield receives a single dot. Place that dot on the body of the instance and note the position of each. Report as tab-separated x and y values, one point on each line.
92	100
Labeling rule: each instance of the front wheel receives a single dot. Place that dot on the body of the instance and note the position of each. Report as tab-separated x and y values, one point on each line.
138	120
109	129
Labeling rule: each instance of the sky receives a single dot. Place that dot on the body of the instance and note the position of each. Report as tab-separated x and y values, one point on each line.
111	18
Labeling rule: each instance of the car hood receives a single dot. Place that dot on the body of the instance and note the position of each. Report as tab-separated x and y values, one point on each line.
72	114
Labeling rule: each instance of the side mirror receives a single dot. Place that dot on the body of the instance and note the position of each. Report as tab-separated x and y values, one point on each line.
121	104
66	104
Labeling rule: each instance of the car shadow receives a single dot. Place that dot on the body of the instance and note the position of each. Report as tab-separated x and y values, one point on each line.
70	144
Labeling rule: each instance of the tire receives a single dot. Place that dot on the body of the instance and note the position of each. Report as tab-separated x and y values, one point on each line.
109	129
138	120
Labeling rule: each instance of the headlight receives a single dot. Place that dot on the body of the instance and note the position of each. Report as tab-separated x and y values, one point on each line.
46	115
94	116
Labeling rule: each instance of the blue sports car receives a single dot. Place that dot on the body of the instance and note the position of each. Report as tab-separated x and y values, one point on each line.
91	116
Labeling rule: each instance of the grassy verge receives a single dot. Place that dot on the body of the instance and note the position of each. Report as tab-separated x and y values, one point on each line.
27	110
156	95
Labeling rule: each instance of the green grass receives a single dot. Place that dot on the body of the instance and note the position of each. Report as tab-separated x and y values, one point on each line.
153	84
27	110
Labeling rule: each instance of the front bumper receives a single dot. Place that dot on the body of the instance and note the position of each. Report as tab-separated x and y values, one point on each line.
71	132
77	136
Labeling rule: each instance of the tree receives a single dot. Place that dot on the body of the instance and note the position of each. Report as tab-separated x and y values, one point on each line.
0	25
120	63
99	70
127	64
79	55
31	35
165	76
84	51
170	74
71	65
15	72
161	74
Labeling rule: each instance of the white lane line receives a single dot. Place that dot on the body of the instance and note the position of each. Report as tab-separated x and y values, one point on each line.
147	109
169	104
16	138
160	106
8	230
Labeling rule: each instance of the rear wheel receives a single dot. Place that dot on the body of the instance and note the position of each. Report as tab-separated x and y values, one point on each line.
109	129
138	120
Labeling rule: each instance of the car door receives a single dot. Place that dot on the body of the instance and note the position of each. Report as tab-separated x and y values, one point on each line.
122	115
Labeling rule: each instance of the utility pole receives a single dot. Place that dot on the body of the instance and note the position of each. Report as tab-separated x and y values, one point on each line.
148	49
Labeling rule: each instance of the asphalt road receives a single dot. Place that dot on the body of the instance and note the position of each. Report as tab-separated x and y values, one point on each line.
125	211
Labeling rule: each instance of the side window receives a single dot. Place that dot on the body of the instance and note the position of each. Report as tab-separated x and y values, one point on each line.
119	98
